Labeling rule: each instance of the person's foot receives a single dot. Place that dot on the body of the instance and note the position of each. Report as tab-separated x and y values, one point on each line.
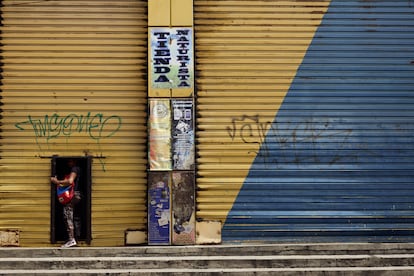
70	243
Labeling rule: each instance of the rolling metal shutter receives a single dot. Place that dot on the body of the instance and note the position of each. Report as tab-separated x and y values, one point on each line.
247	53
334	136
73	84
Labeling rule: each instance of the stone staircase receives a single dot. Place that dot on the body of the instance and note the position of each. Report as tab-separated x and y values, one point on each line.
261	259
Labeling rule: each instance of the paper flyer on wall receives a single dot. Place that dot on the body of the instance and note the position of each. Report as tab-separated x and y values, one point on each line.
159	212
183	208
182	134
160	134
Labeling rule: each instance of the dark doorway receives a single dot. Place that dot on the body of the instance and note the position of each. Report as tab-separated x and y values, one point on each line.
82	211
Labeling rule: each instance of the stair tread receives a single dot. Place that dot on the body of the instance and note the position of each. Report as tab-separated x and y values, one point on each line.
377	268
204	257
287	259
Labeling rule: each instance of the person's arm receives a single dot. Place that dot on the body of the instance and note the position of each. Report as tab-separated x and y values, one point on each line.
64	182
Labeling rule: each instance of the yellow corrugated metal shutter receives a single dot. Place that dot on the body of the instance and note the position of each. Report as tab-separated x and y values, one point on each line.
73	83
247	56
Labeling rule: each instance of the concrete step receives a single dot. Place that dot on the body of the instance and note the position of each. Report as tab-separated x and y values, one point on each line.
211	250
200	262
271	259
329	271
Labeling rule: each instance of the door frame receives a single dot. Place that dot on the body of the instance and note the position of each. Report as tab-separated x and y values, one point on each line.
86	165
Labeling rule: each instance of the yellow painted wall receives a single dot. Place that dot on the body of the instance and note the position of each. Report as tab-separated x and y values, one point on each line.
168	13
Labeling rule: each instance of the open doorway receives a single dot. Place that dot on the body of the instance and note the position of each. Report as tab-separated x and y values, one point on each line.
82	211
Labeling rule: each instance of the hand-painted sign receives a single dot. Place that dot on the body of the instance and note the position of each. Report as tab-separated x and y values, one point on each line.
171	61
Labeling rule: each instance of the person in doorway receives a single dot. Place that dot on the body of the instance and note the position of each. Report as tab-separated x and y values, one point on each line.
68	208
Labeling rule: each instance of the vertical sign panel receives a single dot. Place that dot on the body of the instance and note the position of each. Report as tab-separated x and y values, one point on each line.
159	208
160	134
183	208
171	60
182	134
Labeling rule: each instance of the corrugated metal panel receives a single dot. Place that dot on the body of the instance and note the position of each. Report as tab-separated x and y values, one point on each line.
336	162
247	55
73	83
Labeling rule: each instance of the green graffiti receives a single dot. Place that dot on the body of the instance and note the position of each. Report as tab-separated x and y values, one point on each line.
96	126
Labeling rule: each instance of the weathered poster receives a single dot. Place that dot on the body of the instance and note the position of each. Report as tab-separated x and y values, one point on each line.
159	212
171	60
183	208
183	134
160	134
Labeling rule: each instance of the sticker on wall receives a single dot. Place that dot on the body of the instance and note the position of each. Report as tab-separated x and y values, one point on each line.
171	58
182	134
160	134
159	214
183	208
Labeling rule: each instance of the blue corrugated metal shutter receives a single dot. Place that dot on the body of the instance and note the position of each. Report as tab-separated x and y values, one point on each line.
338	160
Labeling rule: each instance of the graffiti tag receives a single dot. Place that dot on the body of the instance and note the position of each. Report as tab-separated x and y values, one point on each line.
287	139
95	126
248	128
